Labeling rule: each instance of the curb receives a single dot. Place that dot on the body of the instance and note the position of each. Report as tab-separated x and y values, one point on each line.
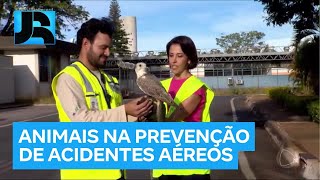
293	153
44	104
285	143
296	155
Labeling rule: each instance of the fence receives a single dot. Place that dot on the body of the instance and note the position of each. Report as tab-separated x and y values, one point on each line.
245	50
274	78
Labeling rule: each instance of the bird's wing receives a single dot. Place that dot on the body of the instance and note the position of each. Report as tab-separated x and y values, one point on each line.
151	85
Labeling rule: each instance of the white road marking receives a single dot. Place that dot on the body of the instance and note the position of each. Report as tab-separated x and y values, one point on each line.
48	115
243	161
245	166
6	167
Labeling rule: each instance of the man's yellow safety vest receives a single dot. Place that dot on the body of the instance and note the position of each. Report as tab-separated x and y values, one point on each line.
188	88
97	98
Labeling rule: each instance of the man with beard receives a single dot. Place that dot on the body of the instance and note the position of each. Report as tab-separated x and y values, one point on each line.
85	93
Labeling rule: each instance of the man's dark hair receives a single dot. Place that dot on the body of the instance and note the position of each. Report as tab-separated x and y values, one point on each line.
188	47
90	28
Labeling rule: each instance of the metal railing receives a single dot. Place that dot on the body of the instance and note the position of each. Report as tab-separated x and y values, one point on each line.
217	51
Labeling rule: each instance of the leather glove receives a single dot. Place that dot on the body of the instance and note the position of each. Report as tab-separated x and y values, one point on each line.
158	112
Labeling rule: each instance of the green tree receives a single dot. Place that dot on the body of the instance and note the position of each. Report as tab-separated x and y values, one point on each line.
67	13
241	42
307	74
302	14
119	39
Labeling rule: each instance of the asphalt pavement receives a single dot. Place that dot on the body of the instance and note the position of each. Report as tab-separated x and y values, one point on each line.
260	164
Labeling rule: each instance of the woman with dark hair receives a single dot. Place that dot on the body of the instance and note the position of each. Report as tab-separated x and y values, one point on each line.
192	96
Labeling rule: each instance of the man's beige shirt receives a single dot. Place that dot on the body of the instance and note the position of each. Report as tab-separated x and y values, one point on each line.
73	102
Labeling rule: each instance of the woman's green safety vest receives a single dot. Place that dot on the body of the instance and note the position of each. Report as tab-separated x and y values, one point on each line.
188	88
97	98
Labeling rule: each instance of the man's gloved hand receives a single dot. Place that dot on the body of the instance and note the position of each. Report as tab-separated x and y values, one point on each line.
157	114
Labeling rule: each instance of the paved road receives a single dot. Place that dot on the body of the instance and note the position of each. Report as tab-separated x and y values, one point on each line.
29	114
260	164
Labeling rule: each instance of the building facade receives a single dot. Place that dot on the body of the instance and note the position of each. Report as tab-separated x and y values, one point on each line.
130	27
31	68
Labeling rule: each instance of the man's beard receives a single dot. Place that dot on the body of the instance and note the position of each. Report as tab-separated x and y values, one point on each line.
94	60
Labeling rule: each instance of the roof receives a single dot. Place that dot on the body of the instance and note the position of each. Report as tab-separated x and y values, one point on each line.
63	47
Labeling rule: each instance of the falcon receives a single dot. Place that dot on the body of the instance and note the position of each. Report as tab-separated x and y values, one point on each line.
151	85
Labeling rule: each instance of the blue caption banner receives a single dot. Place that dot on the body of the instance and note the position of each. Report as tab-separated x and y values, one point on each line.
55	145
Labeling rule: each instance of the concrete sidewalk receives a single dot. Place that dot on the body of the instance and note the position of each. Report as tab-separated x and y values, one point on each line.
296	136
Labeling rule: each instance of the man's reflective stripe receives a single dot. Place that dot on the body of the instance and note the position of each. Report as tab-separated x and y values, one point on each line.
90	92
86	82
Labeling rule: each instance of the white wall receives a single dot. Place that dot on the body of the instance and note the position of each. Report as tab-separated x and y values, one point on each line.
130	27
279	71
198	71
26	72
7	94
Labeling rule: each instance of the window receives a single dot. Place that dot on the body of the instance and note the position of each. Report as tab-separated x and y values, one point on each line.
208	72
218	72
161	74
227	72
54	65
49	66
238	72
246	71
259	71
44	67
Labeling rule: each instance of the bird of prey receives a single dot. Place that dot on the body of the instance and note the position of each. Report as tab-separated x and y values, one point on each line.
150	85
